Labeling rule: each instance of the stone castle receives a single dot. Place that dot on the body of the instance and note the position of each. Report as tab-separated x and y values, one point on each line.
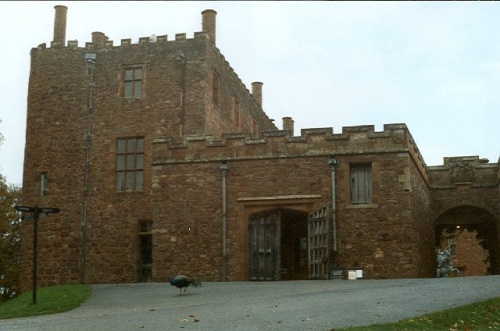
162	163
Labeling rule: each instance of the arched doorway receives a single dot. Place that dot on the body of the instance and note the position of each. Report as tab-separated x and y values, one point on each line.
472	234
278	245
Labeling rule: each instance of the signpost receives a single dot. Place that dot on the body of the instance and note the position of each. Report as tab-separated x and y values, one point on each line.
36	213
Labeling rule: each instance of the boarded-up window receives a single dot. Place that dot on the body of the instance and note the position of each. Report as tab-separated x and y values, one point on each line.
130	164
361	183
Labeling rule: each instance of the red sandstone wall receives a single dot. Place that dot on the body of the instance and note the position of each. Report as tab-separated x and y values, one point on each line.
470	256
183	189
57	125
389	238
392	237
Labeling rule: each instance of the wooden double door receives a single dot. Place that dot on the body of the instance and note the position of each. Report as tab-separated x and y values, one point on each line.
288	245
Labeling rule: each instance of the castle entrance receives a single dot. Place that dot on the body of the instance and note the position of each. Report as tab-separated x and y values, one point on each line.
278	245
473	237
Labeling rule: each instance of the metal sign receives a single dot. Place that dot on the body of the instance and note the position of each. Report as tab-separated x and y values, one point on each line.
37	209
24	208
36	213
49	210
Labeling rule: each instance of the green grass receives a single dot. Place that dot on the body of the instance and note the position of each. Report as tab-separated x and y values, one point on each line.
50	300
481	316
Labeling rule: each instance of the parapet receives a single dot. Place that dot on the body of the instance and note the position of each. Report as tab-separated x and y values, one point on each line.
464	170
100	40
395	138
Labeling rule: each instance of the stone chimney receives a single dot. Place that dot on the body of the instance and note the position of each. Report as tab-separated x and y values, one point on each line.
60	24
208	23
288	124
99	39
257	92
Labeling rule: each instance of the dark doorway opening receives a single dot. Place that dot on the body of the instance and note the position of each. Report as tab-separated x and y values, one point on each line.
294	260
145	252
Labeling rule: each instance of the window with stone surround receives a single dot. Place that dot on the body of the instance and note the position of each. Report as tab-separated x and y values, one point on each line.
132	78
361	183
130	164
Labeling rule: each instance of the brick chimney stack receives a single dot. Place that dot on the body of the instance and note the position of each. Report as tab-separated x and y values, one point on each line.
257	92
208	22
288	124
60	24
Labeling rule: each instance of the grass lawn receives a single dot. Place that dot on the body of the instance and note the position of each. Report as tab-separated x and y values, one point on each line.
481	316
50	300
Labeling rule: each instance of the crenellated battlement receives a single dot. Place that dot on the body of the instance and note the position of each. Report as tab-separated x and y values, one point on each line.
100	40
272	144
108	44
464	170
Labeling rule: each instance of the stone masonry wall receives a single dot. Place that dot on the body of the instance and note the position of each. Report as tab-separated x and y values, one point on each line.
383	237
173	103
188	135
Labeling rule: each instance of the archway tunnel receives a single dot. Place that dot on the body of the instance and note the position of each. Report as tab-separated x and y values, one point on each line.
473	237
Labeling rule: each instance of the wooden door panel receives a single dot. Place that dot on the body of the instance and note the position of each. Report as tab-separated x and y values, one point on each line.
264	230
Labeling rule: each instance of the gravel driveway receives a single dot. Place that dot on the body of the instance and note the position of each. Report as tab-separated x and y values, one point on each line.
291	305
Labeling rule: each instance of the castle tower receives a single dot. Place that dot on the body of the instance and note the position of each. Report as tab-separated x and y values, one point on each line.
85	105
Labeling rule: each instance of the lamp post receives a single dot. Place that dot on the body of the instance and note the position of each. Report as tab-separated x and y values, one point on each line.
36	211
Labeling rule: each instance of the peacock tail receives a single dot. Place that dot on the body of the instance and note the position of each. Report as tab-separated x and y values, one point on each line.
196	282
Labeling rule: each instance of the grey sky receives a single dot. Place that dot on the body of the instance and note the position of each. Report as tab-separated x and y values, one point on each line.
432	65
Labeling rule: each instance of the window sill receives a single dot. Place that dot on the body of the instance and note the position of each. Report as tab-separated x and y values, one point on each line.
362	206
129	193
130	101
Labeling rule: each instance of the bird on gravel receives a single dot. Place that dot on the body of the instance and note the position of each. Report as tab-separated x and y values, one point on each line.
182	281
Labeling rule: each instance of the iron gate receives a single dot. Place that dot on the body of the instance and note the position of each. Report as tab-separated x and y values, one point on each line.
318	232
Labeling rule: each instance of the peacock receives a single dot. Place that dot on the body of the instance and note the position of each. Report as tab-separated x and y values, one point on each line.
181	281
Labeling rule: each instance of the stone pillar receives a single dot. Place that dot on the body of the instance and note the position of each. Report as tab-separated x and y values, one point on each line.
60	24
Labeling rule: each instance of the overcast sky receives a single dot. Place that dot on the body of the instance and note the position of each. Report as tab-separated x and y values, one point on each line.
432	65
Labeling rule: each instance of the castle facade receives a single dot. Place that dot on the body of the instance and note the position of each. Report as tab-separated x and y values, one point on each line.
162	163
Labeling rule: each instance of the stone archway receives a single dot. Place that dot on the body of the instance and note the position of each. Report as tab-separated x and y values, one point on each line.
473	235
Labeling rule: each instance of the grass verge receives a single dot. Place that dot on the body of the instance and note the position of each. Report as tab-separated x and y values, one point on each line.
50	300
474	317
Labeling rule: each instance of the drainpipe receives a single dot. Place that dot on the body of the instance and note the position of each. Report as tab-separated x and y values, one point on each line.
223	170
90	59
333	164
